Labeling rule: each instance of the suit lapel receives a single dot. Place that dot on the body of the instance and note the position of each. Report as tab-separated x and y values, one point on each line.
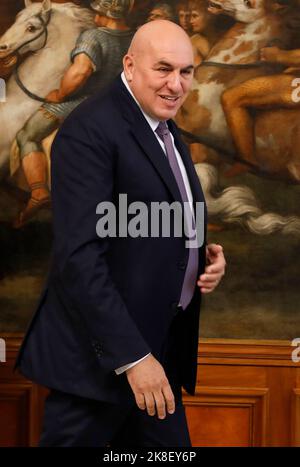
151	147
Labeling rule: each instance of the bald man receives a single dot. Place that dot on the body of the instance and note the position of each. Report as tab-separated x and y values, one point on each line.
115	334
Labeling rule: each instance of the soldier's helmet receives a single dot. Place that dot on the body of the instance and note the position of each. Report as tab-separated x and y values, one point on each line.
116	9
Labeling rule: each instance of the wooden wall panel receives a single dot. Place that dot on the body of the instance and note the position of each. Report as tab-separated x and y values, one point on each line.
228	416
220	425
266	368
14	407
295	418
21	402
248	394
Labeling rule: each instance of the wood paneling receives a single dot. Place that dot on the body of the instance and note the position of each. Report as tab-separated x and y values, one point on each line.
263	366
21	402
295	418
14	406
248	394
228	416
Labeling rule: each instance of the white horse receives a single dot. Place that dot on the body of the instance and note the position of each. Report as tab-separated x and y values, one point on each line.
48	31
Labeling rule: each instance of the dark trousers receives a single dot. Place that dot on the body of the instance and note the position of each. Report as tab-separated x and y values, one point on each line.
74	421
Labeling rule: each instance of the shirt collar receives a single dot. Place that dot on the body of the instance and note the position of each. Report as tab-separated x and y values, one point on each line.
152	121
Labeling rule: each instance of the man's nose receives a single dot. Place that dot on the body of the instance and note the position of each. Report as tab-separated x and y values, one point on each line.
174	82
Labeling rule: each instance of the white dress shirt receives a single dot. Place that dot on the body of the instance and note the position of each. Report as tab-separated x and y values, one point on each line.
153	125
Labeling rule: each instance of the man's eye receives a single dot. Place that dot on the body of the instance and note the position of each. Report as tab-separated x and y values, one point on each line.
186	72
164	70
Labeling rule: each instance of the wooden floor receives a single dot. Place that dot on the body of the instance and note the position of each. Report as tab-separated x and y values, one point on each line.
248	394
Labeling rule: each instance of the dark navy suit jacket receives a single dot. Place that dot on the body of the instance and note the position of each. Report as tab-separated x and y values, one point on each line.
109	302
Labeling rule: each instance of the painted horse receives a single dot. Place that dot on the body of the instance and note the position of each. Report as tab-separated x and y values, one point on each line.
233	60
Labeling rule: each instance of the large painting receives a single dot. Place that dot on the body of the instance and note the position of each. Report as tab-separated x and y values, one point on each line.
241	121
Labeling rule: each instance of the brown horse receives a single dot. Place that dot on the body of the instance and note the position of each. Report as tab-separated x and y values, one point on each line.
233	60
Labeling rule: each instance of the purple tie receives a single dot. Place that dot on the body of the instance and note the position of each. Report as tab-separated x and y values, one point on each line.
190	277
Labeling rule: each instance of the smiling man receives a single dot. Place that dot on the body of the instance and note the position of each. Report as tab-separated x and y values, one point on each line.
161	78
115	336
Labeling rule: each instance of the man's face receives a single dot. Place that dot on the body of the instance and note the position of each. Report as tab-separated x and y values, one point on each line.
157	13
184	17
198	20
161	78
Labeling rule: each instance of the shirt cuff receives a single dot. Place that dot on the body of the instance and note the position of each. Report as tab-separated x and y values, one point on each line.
130	365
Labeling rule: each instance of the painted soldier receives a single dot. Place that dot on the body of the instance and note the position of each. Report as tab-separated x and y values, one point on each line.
95	61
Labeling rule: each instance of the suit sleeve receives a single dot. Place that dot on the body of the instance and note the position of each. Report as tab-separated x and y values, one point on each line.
82	161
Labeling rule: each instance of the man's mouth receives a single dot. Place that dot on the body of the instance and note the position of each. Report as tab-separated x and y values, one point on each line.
169	98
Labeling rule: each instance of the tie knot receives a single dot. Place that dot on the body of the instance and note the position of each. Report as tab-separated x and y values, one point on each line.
162	129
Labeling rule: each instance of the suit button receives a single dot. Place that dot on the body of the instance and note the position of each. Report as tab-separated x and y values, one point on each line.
98	348
182	265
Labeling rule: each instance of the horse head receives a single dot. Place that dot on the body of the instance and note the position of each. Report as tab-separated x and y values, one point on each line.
247	11
29	32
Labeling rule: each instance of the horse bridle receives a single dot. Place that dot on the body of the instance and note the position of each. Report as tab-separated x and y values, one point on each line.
16	69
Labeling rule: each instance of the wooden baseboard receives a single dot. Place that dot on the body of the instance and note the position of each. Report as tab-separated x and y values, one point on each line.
248	394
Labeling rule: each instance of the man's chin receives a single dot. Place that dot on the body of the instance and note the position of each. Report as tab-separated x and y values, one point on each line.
167	114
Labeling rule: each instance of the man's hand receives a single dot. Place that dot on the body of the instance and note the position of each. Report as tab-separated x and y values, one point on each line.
151	387
214	271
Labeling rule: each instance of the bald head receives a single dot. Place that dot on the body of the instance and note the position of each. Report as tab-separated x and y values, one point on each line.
158	33
159	68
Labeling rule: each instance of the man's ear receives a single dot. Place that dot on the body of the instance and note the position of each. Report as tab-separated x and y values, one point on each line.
128	67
